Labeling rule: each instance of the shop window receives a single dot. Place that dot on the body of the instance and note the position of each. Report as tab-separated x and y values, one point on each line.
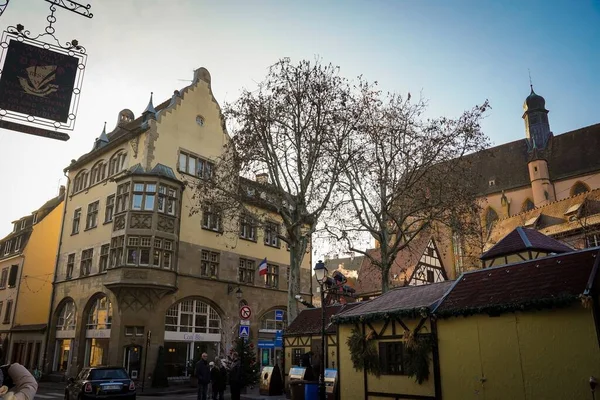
193	316
391	358
100	315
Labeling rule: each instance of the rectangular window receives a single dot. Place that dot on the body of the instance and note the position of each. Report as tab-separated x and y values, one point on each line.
593	240
195	166
209	265
391	358
144	195
297	356
70	265
246	271
129	330
18	243
76	219
138	250
110	208
92	215
4	278
86	262
247	228
7	247
430	276
1	307
8	313
122	198
272	276
211	219
23	224
166	200
103	264
272	235
168	254
156	253
116	251
12	276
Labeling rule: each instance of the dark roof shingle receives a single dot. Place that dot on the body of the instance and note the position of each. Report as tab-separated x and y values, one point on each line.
540	283
308	322
522	239
407	300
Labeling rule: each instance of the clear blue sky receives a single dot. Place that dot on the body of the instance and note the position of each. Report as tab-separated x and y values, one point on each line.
458	53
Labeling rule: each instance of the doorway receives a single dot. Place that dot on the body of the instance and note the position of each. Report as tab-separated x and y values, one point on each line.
132	360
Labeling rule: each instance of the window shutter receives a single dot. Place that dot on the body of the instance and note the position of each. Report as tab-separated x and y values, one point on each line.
12	278
383	357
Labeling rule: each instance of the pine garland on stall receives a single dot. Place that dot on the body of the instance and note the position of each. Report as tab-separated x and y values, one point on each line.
363	352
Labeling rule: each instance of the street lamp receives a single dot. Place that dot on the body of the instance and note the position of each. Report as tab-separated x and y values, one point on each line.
321	276
238	293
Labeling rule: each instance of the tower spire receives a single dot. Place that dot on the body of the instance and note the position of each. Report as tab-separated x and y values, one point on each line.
150	111
530	82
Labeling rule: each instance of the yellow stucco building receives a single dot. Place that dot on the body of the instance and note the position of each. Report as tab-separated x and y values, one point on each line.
27	260
136	264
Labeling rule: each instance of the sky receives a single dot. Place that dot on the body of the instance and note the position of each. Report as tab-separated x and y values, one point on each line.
456	53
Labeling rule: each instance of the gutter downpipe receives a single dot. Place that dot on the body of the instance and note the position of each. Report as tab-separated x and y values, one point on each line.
62	229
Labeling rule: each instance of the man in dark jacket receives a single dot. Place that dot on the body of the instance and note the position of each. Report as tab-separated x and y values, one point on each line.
203	375
235	377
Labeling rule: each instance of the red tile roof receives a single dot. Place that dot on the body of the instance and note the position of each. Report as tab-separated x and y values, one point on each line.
541	283
308	322
523	239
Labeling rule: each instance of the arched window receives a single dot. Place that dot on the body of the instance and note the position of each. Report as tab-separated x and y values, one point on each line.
192	316
80	182
491	216
66	317
270	321
98	172
527	205
117	162
100	315
578	188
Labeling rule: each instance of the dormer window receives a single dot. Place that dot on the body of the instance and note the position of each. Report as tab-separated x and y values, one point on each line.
200	120
531	221
23	224
492	182
35	217
573	209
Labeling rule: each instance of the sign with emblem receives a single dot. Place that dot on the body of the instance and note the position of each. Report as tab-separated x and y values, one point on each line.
278	315
40	84
244	331
245	312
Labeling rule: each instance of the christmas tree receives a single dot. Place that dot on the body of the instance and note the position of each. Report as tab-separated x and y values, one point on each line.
247	354
159	379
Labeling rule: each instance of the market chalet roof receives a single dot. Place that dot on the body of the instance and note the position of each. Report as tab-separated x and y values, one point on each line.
548	282
524	239
565	216
407	301
308	322
569	154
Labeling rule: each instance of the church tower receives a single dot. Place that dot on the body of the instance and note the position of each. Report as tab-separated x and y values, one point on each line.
537	131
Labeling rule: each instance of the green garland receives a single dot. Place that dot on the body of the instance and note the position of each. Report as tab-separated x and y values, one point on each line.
421	312
416	352
363	352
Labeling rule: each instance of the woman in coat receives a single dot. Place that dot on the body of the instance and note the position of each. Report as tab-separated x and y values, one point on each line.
16	383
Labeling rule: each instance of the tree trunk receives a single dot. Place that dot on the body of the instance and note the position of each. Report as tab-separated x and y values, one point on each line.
296	257
385	281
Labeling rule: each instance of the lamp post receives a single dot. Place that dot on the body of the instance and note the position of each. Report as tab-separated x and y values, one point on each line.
321	276
593	384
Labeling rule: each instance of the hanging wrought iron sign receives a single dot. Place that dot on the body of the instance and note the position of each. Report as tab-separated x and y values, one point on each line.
40	83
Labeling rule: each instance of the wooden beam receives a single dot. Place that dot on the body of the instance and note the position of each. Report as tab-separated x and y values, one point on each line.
437	374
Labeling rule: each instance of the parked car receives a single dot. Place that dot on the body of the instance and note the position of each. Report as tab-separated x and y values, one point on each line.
97	383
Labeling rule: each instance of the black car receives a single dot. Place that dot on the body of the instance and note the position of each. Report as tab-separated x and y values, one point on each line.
97	383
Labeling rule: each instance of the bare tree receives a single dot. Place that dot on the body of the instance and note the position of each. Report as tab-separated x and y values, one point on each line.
293	128
407	175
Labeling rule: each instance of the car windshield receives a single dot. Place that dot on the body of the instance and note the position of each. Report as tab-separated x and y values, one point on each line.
99	374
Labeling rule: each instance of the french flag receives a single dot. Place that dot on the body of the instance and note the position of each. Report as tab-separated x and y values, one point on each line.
262	267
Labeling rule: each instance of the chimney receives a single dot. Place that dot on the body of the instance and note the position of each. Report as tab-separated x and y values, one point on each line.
262	178
61	191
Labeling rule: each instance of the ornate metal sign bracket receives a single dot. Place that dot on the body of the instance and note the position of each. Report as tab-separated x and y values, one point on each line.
73	6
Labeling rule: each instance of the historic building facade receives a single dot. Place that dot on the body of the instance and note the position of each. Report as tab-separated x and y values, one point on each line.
27	260
138	270
529	174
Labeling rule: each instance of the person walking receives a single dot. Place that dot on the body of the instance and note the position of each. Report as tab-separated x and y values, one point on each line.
235	377
218	378
203	375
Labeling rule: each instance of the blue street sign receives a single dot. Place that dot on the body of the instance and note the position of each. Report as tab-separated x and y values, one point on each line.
278	315
268	344
244	331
